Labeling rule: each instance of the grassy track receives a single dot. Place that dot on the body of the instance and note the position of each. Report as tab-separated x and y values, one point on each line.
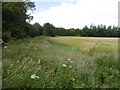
61	62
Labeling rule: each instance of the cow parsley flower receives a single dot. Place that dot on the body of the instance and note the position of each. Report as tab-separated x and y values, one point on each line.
64	65
69	59
110	68
39	61
34	76
5	46
73	79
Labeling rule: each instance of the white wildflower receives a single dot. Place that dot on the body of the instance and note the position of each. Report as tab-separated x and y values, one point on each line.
34	76
52	81
5	46
64	65
38	61
75	76
70	66
73	79
2	41
69	59
110	68
6	43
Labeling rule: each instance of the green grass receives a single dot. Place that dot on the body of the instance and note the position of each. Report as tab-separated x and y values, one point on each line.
61	62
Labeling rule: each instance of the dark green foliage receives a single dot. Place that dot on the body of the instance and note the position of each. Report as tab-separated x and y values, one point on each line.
107	71
49	29
30	30
14	19
6	36
33	30
100	31
38	28
18	33
118	32
92	31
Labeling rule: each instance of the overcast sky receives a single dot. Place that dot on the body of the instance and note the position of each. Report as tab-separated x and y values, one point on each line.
76	13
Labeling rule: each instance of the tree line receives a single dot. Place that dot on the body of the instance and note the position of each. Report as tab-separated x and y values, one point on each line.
15	25
92	31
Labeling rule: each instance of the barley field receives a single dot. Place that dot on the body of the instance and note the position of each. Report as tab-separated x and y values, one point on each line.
61	62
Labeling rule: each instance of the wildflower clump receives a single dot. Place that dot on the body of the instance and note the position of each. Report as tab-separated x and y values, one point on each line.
34	76
70	60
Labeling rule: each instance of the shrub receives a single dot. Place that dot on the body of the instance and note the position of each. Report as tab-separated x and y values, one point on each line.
6	36
18	33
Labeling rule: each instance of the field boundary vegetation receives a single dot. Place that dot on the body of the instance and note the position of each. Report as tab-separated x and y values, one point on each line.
46	64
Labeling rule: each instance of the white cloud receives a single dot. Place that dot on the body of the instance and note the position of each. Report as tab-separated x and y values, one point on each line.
78	13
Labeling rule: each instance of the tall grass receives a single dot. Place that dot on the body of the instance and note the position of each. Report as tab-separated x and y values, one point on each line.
57	63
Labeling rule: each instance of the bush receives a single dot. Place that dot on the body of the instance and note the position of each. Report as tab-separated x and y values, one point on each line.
107	71
6	36
18	33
